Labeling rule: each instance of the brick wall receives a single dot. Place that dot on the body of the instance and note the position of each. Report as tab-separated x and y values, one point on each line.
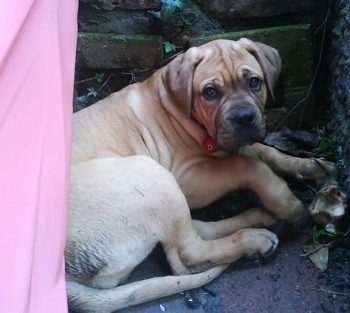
122	36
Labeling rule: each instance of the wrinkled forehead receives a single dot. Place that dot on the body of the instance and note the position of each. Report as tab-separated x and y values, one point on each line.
227	59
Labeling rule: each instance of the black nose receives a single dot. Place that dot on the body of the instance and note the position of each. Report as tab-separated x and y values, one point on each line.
244	117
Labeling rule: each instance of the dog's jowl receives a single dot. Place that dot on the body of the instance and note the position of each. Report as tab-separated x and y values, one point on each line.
144	156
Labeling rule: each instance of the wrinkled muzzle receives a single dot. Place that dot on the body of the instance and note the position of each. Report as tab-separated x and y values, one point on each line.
240	126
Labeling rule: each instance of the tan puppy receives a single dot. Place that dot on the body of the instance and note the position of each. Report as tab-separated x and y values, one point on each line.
144	156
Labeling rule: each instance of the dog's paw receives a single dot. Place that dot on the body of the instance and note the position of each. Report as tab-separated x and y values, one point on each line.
316	170
258	242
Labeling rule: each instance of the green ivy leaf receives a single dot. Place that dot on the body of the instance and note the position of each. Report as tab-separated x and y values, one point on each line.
185	20
338	236
167	12
92	92
155	14
180	4
99	77
324	145
168	47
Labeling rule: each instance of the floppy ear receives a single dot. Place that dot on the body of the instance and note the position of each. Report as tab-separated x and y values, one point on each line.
268	59
177	78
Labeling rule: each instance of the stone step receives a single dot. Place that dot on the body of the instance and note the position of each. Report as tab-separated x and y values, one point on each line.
139	53
109	51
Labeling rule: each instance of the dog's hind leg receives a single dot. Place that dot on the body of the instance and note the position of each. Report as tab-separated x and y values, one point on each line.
187	252
119	209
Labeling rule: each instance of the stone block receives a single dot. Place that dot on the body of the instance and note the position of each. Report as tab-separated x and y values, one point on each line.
108	51
228	9
124	4
92	20
294	45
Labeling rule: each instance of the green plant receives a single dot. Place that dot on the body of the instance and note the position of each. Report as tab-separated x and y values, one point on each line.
317	234
99	77
92	92
168	47
325	148
170	9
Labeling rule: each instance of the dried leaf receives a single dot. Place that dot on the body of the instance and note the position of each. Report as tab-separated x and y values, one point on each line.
329	205
318	254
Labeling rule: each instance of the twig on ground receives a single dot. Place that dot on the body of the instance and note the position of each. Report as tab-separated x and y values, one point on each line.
332	292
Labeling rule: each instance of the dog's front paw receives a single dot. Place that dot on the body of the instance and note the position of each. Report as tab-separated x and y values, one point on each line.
258	242
317	170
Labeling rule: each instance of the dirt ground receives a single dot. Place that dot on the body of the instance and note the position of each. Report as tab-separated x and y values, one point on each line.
286	282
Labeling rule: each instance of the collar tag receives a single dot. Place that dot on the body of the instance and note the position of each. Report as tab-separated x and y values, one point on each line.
209	145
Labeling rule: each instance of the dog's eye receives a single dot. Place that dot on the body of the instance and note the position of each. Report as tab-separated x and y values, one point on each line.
210	93
255	83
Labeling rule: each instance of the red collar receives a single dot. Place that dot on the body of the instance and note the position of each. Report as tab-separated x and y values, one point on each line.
208	144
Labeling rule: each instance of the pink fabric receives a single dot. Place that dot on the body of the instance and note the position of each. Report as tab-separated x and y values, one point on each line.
37	55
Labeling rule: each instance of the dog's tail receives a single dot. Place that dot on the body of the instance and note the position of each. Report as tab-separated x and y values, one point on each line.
88	300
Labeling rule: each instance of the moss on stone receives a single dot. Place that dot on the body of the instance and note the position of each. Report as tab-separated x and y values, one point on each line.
111	51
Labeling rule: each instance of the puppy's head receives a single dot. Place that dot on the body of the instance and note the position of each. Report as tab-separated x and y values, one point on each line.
224	85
